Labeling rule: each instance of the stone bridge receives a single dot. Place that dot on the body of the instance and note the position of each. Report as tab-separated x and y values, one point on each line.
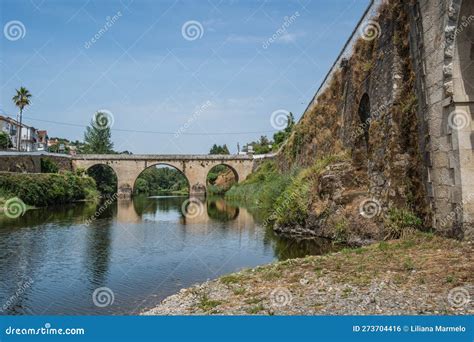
194	167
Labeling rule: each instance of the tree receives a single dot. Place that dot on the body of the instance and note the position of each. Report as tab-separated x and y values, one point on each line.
98	140
161	180
21	100
281	136
290	123
5	141
218	149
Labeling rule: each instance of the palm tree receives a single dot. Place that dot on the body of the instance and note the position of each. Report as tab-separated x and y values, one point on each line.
21	100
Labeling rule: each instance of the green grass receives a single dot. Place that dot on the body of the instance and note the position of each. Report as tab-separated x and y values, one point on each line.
255	309
207	304
400	222
230	279
408	264
239	291
292	205
261	188
282	197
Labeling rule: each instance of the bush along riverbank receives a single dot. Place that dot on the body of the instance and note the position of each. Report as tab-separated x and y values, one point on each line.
419	274
39	190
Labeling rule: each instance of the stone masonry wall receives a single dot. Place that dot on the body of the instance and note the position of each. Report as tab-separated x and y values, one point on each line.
388	107
32	163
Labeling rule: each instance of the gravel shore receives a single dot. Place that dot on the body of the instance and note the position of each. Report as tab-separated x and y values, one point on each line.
420	275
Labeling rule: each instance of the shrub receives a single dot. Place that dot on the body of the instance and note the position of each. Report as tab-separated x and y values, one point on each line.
292	206
261	188
48	166
399	223
47	189
5	141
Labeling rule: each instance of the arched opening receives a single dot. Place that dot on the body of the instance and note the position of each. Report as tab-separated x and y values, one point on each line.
105	179
364	116
161	180
220	179
465	47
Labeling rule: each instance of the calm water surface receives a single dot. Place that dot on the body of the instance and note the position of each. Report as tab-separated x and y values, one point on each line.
52	260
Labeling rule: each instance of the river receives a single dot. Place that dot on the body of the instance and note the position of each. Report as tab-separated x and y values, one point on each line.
56	260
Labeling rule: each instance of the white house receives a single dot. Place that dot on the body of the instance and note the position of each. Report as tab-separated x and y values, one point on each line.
29	135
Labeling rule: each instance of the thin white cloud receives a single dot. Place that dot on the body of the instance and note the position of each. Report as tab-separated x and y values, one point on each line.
245	39
287	37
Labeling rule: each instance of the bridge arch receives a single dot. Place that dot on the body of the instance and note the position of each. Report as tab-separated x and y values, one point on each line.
220	169
162	165
105	176
464	52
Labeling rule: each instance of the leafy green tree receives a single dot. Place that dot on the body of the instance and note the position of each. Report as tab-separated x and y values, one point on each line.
97	140
5	141
161	180
141	186
48	166
218	149
105	179
21	100
281	136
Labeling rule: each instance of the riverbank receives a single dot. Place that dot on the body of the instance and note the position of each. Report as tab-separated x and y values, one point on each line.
421	274
42	189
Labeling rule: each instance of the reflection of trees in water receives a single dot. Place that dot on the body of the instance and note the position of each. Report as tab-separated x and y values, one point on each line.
22	257
288	248
218	209
146	205
25	253
98	251
62	215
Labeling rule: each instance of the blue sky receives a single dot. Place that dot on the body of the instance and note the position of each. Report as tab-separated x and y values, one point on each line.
142	69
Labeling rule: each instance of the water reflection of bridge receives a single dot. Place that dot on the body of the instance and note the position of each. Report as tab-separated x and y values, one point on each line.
132	211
